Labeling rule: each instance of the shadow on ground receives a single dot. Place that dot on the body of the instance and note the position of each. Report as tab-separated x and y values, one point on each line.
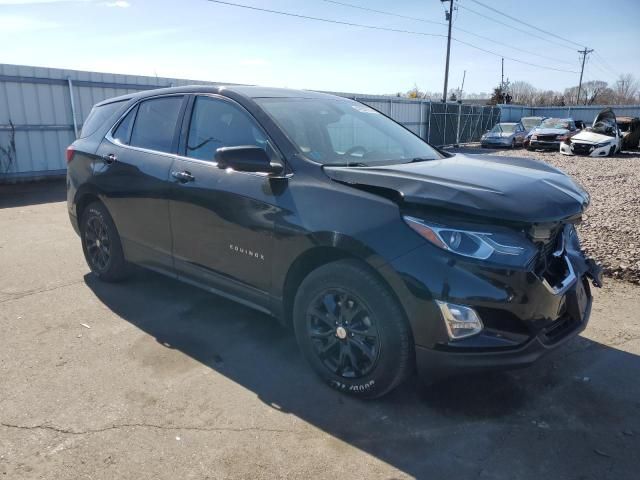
547	421
32	193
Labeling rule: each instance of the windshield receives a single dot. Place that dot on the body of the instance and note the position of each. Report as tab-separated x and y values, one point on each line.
530	123
344	132
504	127
555	123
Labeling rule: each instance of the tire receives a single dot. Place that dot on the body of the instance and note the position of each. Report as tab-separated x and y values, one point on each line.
101	244
612	151
368	347
513	143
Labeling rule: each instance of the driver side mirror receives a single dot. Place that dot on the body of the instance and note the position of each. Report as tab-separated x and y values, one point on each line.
246	158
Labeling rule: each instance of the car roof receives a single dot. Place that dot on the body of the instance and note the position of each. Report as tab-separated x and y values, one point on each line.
509	123
568	119
247	91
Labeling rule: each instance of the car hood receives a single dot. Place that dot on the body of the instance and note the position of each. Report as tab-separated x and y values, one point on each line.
605	115
591	137
510	189
550	131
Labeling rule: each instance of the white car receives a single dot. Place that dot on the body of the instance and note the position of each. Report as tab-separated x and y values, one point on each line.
602	139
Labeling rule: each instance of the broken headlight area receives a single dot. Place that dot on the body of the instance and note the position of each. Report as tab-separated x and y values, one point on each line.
506	248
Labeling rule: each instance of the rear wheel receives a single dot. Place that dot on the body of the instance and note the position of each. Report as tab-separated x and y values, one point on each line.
352	330
101	244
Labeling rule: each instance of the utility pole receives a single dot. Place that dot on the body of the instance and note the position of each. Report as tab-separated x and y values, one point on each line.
462	87
502	81
584	54
449	16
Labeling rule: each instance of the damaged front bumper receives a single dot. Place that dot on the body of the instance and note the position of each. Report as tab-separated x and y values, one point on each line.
586	149
525	313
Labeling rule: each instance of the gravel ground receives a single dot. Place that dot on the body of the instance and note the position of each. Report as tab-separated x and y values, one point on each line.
610	227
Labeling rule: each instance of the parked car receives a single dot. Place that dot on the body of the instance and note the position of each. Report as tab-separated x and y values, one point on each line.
630	130
602	139
382	252
504	134
551	133
529	123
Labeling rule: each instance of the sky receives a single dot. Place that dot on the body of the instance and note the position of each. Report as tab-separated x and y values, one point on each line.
204	40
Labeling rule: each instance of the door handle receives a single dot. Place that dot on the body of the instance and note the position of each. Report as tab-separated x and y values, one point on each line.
183	177
109	158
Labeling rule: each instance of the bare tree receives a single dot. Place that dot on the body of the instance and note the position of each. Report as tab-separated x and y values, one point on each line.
522	92
8	153
626	89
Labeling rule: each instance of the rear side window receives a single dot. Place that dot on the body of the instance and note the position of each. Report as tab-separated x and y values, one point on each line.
98	116
155	123
123	132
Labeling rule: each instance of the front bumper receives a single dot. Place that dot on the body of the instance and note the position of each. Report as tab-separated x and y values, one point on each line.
496	142
434	364
544	145
584	149
525	314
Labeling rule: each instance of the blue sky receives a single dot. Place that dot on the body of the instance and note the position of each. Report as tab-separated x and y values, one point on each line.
198	39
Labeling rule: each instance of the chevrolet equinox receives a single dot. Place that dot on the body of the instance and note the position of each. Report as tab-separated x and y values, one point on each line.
383	253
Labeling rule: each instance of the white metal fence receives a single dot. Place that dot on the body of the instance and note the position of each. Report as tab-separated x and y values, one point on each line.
42	110
513	113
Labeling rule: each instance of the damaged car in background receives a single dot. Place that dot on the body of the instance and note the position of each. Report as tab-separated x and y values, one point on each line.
601	140
630	130
551	133
504	134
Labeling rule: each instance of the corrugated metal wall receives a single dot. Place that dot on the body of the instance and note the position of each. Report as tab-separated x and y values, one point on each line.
40	103
513	113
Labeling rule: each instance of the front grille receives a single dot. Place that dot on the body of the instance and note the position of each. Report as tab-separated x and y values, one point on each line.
582	148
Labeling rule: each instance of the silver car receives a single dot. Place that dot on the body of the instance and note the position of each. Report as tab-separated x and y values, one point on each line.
504	135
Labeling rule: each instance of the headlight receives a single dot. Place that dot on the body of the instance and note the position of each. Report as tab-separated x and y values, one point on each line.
562	137
500	247
603	144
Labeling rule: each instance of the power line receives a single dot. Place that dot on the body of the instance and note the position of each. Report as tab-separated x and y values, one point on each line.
525	23
514	28
396	30
419	19
606	64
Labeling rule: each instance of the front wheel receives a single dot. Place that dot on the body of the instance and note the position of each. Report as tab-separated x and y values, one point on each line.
101	244
352	330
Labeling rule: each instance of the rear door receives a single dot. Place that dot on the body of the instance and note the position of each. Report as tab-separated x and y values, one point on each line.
222	220
138	155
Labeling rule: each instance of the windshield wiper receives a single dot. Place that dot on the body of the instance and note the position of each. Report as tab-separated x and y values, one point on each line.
420	159
345	164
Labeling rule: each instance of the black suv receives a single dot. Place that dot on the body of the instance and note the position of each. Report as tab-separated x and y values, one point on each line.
383	252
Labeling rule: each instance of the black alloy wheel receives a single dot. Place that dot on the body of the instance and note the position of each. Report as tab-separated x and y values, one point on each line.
101	243
352	330
344	334
97	241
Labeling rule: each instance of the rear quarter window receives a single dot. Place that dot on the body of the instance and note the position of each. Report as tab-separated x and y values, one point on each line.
97	117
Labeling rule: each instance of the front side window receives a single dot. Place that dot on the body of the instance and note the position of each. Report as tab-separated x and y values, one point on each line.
155	123
345	132
219	123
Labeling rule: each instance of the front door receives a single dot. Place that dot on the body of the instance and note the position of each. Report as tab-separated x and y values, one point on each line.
222	220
